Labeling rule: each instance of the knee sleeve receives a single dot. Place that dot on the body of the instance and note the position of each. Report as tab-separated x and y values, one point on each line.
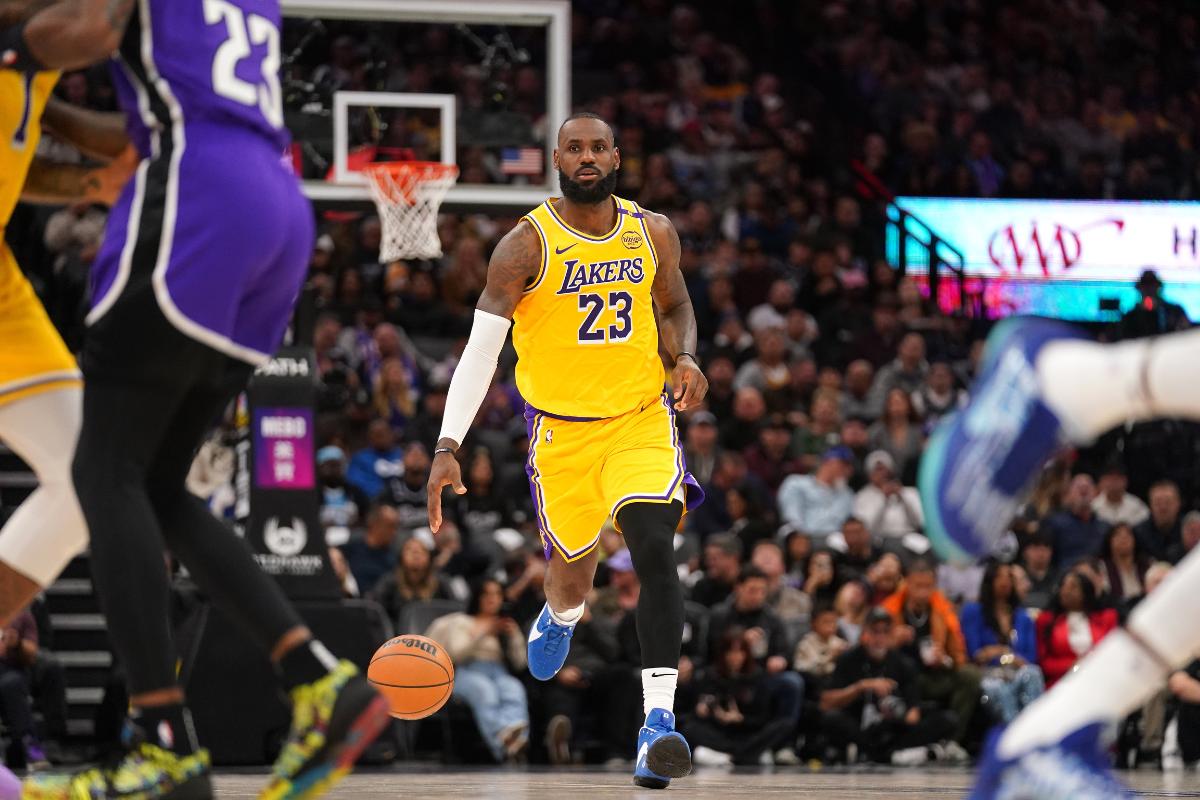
48	529
649	530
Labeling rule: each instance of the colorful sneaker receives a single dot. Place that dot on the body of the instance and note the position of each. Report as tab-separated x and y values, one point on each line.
333	721
980	462
143	772
1078	766
549	644
662	753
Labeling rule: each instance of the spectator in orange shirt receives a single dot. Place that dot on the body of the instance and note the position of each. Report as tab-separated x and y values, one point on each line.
928	632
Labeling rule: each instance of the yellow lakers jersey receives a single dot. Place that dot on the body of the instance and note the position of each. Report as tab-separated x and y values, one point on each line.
584	331
23	98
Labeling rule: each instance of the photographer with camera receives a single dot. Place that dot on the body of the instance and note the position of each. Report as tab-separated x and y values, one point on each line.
1153	315
732	722
873	701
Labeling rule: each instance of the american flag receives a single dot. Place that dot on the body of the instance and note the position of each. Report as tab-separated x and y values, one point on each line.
521	160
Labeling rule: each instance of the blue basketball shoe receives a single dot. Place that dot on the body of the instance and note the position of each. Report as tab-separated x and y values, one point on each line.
1078	766
549	644
980	461
662	752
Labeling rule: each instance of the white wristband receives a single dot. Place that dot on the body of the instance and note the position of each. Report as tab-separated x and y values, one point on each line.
473	375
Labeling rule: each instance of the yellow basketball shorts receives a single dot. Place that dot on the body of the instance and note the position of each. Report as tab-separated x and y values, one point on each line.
33	357
583	471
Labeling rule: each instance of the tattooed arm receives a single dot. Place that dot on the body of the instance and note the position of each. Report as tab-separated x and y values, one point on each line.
514	263
15	11
55	184
72	34
676	318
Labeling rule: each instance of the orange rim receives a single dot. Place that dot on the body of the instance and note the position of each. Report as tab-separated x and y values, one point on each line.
398	179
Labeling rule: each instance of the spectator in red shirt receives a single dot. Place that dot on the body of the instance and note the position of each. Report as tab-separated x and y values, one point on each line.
1071	627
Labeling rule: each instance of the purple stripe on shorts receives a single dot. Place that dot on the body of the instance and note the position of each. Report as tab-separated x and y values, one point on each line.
696	496
530	423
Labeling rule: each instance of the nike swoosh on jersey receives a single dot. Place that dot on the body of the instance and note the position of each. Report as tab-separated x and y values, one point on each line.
559	251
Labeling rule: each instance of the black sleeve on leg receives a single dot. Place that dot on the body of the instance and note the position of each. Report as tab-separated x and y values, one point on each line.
649	530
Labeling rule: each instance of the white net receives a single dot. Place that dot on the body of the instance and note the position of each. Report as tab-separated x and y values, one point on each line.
408	195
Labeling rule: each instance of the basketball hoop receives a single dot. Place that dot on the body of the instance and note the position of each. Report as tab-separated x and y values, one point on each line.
408	195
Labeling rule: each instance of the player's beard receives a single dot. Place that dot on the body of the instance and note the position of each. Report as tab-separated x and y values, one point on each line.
598	192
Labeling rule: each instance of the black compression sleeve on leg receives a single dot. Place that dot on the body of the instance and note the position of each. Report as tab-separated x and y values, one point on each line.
219	560
649	530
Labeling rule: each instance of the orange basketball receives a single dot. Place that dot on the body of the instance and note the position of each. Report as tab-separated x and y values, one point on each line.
414	674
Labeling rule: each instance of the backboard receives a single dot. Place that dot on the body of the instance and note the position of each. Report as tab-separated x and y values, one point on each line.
479	83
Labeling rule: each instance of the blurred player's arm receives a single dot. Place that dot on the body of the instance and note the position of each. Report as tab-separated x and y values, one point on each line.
15	11
676	317
69	34
514	263
97	134
53	183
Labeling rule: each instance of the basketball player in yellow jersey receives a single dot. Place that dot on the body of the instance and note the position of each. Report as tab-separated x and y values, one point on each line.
580	277
40	384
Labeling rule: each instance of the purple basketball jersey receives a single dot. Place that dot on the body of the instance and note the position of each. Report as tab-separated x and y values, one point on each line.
213	224
220	59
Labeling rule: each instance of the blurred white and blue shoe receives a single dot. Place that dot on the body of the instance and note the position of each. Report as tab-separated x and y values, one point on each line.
1076	767
980	462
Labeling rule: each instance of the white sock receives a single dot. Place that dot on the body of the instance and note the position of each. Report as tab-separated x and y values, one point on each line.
658	689
1095	387
1119	675
568	617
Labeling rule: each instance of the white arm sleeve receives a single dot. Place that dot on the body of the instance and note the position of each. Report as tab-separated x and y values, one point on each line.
473	375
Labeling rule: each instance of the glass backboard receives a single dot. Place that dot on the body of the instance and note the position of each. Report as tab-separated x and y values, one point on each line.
470	82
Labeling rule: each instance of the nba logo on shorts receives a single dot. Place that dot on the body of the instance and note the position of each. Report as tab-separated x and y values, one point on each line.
549	437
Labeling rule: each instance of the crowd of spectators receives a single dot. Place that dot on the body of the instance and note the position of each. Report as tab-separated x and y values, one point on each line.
818	623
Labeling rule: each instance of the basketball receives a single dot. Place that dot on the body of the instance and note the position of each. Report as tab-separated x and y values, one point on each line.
415	675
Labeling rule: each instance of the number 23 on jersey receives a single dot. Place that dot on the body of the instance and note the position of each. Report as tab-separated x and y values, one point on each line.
593	305
243	31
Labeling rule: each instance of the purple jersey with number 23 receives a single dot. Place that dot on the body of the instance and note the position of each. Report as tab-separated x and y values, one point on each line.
213	223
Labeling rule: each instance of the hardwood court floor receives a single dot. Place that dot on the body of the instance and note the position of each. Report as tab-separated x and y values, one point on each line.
430	782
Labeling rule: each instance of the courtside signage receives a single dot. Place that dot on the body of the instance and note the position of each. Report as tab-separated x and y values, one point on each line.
1061	240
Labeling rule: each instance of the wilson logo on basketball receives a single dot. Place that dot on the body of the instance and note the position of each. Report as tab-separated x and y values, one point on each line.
425	645
632	240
